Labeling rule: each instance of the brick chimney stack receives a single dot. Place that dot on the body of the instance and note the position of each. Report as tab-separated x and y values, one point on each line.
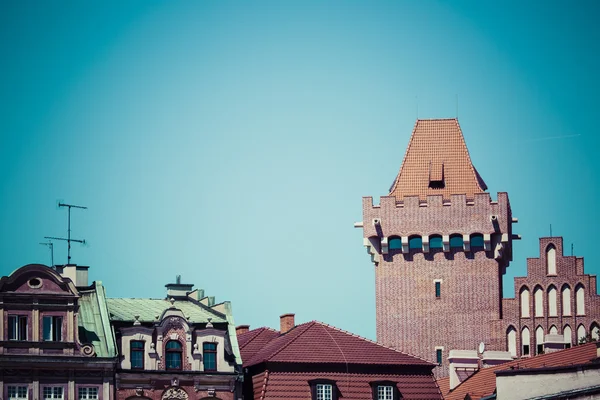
286	322
241	329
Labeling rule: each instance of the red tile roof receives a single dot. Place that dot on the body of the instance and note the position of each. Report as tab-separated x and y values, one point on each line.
483	382
253	341
316	342
295	386
437	152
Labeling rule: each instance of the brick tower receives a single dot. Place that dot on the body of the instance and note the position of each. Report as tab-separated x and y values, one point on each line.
440	246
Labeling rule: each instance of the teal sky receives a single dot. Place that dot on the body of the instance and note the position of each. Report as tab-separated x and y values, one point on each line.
232	142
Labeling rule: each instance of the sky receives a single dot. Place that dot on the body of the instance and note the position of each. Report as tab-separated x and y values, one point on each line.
231	143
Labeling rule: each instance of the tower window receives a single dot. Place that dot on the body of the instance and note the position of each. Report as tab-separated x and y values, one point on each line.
438	289
435	242
415	242
438	356
395	243
477	241
456	242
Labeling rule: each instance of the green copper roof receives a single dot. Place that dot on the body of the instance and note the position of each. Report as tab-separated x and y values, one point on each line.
149	309
93	322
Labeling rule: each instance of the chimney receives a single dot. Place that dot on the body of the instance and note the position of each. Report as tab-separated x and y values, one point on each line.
77	273
492	358
241	329
463	363
286	322
178	290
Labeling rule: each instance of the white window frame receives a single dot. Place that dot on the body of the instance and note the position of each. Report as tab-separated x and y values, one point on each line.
15	322
385	392
18	392
87	393
324	391
53	393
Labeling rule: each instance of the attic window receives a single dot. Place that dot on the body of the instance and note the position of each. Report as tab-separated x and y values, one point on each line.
323	389
436	175
34	283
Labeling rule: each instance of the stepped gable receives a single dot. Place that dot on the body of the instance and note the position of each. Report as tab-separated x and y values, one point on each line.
483	382
437	162
316	342
253	341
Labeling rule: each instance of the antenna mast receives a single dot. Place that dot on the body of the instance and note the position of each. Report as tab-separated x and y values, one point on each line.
51	245
68	239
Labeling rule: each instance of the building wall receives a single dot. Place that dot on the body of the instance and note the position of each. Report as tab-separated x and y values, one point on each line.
410	317
569	272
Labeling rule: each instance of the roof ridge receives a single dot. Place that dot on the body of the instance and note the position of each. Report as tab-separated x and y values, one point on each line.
308	325
369	340
478	178
410	141
264	387
256	333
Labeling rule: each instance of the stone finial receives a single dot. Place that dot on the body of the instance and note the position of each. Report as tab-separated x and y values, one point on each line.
209	324
137	320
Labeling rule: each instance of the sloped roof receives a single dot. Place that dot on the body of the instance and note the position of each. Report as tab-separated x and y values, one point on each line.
437	152
253	341
295	386
316	342
93	322
483	382
148	309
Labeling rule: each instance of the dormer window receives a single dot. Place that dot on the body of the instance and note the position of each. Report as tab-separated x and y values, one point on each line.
136	353
174	355
436	175
17	327
52	328
385	390
210	356
323	389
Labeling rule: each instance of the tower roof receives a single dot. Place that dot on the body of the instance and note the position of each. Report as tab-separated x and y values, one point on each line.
437	162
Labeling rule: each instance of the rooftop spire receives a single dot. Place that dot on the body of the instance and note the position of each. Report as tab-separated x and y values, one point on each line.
437	162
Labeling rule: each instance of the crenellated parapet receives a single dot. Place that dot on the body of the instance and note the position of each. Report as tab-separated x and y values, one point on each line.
457	221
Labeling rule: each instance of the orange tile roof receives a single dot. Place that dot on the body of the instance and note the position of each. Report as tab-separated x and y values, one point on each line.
483	382
437	162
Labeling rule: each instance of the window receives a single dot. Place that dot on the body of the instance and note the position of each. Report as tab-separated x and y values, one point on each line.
477	241
538	296
395	243
551	260
539	340
136	354
52	328
415	243
88	393
435	242
567	335
512	341
17	327
580	300
566	300
581	335
385	393
17	392
456	242
524	303
552	308
438	356
438	290
525	342
324	392
210	356
53	393
173	355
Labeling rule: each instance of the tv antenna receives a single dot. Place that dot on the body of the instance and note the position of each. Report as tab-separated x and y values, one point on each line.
51	245
68	238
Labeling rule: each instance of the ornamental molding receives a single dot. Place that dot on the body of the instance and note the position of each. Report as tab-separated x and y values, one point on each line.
174	393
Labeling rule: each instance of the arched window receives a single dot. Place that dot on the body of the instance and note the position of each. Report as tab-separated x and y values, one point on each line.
538	295
566	300
435	242
595	331
173	356
551	260
539	340
456	241
568	336
395	243
580	333
524	302
415	242
511	339
552	308
580	300
525	341
553	330
477	241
